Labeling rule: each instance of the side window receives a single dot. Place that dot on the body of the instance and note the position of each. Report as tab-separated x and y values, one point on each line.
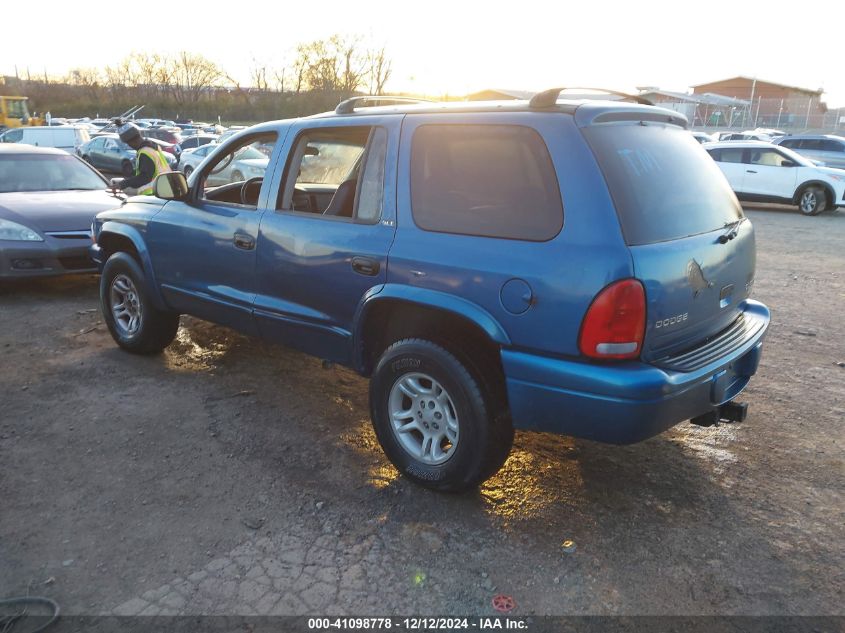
13	136
110	145
732	155
792	143
236	175
715	154
829	145
486	180
767	158
337	172
811	144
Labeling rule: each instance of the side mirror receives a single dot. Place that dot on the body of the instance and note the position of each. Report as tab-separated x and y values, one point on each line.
171	186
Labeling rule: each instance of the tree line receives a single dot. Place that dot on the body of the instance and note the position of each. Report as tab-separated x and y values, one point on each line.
189	85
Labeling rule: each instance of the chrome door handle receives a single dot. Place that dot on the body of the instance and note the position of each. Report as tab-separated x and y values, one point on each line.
245	242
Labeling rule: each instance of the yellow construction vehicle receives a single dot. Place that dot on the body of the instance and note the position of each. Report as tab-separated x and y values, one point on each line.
13	113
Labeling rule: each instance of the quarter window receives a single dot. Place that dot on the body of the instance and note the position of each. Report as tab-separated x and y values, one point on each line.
485	180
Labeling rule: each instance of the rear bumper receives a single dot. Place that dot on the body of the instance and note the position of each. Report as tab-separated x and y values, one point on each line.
19	260
626	402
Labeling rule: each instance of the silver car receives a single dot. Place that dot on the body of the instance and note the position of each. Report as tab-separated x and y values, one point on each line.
827	148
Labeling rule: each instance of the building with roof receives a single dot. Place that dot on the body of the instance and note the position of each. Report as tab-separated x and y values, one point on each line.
771	102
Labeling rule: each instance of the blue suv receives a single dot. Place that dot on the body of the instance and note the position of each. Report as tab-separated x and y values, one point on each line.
576	267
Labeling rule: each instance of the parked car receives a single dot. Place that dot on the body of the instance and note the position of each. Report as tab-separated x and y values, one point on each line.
702	137
108	153
168	135
48	200
763	172
425	246
67	137
825	148
196	140
248	162
231	132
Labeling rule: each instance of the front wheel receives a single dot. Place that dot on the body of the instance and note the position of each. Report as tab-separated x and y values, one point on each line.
188	170
812	201
134	322
432	419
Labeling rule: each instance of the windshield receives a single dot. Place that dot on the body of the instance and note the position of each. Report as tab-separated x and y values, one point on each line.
46	172
664	184
16	108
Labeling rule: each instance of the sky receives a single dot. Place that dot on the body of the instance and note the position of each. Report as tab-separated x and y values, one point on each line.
457	47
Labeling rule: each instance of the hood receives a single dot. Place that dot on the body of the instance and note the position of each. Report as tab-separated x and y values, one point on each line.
55	210
832	171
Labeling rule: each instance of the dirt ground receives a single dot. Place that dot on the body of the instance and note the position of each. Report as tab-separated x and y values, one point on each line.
227	476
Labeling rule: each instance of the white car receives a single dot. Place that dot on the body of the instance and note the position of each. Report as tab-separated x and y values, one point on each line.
762	172
248	162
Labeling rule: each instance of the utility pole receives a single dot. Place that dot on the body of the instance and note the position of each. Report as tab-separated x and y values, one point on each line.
751	100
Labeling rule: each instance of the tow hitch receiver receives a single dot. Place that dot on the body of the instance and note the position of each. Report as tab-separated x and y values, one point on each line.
728	412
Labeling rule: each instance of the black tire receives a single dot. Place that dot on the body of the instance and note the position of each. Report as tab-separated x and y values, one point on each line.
237	176
188	171
484	439
157	328
812	200
126	168
86	158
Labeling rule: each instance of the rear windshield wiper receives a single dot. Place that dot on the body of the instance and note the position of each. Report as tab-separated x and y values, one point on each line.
732	231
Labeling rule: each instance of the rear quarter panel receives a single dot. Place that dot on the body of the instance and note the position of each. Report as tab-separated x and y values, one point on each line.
564	273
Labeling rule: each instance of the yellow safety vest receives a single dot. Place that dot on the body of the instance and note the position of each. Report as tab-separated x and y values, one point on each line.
161	167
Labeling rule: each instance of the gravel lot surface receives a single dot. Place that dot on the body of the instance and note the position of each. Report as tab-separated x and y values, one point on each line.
227	476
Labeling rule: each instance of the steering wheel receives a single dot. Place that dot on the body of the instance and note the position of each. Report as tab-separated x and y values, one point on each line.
245	189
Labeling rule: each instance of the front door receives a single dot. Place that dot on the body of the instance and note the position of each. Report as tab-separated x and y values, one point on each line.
324	245
204	249
767	173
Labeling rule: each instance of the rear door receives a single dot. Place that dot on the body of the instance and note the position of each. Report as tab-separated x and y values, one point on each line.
673	205
325	245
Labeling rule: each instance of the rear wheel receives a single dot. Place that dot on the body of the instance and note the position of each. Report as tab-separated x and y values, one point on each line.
433	420
812	201
86	158
134	322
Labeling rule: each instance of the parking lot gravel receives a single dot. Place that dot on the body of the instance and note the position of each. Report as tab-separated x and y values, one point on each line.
228	476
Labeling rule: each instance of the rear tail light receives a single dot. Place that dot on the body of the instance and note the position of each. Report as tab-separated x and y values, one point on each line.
614	325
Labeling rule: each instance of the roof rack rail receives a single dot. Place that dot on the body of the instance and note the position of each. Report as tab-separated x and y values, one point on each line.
548	98
348	106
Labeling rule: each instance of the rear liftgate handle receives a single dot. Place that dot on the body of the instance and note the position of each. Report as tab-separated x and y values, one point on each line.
243	241
365	266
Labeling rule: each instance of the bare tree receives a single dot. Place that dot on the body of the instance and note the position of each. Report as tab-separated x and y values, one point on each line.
379	70
193	75
258	76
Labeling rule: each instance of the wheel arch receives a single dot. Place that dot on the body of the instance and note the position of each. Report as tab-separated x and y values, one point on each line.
397	312
116	237
831	194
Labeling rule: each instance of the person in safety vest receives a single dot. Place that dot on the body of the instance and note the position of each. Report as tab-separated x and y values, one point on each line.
149	162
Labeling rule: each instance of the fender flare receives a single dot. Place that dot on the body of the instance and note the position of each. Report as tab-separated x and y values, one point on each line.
821	183
422	297
132	234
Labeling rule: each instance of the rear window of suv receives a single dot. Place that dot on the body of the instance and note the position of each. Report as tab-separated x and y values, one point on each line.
485	180
664	185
